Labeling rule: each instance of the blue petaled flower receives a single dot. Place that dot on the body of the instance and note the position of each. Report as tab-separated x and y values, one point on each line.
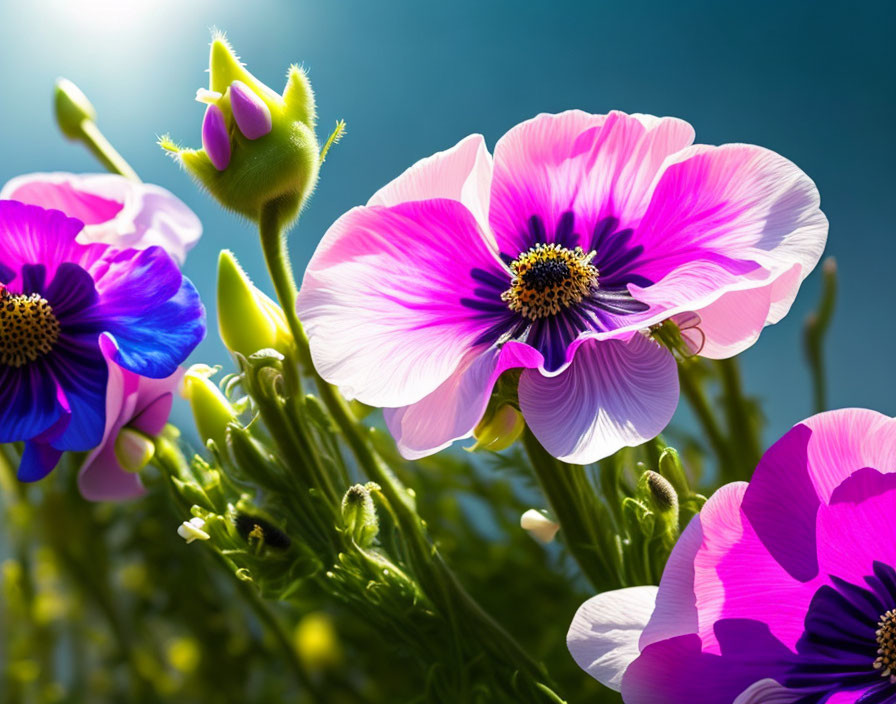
58	298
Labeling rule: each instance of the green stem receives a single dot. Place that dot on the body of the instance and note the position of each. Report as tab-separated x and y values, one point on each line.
817	325
103	150
584	521
693	391
742	426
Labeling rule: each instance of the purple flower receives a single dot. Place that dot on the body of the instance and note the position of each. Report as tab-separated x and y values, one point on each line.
584	232
58	298
780	591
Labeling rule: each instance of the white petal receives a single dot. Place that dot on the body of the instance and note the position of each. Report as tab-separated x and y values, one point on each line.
603	637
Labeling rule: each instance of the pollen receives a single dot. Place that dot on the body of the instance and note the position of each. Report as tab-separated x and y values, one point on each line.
28	328
549	278
886	646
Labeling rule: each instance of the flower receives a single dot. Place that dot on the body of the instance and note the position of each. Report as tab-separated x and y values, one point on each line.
59	298
584	231
115	210
193	530
137	409
258	146
783	590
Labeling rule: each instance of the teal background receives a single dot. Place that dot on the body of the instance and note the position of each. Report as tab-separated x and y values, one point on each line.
811	80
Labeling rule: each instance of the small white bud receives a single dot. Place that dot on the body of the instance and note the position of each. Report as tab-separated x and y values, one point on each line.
539	526
192	530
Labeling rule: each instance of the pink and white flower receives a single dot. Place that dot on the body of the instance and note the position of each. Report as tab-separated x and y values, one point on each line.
115	210
782	591
583	231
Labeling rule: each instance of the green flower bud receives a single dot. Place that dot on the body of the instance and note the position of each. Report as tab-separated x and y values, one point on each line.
498	430
359	515
659	496
133	449
258	146
211	410
671	468
247	319
72	108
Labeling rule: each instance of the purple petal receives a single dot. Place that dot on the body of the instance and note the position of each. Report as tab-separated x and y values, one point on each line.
252	115
215	139
614	394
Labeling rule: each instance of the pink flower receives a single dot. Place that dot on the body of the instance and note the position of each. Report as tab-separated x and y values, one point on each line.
134	402
583	231
114	210
781	591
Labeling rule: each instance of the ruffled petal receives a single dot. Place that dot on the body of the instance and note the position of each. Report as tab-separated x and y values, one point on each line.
803	469
453	410
383	297
462	173
594	166
614	394
152	311
718	213
767	691
603	637
115	210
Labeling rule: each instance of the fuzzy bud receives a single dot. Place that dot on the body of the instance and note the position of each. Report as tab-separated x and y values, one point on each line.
258	146
211	409
359	515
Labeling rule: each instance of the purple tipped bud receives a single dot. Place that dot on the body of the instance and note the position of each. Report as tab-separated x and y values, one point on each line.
215	139
250	112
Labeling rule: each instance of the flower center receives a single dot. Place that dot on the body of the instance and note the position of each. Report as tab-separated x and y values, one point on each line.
549	278
28	328
886	646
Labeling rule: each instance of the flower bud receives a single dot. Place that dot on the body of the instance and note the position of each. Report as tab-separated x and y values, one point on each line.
539	526
498	430
661	499
72	108
359	515
258	146
211	410
133	449
193	530
247	319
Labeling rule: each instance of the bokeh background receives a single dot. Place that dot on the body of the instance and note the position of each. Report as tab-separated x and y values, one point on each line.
813	81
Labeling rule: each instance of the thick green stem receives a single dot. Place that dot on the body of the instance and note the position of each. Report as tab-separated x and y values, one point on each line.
103	150
585	523
817	325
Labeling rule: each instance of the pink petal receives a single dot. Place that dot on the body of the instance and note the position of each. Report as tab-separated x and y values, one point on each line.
130	400
462	173
603	637
453	410
592	165
705	579
115	210
801	471
715	211
614	394
381	299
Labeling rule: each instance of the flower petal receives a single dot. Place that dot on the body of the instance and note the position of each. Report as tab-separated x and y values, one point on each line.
803	469
152	311
453	410
614	394
38	460
595	166
716	210
115	210
603	637
462	173
767	691
28	402
381	300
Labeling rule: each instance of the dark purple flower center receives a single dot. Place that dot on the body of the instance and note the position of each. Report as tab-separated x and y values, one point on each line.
849	642
28	328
